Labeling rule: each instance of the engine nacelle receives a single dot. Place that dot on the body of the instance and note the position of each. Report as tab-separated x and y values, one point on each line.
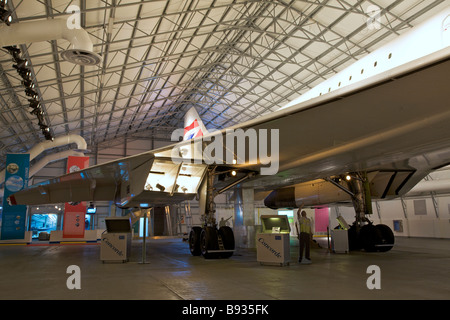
313	193
383	185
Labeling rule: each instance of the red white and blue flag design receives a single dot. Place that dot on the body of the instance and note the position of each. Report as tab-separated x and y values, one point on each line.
192	131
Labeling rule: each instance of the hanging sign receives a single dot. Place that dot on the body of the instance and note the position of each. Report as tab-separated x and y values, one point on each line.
16	178
75	212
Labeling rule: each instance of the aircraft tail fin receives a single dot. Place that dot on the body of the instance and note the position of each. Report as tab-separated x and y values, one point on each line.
193	125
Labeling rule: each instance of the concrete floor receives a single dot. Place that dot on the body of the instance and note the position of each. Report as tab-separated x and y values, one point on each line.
413	269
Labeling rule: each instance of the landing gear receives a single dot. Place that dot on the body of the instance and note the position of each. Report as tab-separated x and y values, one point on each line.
212	243
194	241
227	236
371	238
376	238
363	234
208	241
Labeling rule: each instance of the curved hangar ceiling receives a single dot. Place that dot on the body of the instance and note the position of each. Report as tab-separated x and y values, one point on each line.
234	60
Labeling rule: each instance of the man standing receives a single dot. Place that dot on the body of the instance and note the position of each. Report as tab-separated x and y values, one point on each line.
305	234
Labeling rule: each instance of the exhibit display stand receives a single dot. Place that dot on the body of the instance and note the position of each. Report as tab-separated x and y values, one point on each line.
116	240
273	244
339	241
339	237
25	241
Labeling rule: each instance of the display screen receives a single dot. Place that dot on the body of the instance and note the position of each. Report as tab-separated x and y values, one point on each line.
118	225
43	222
273	221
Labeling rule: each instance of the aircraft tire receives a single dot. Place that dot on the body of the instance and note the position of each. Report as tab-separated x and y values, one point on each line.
209	241
194	241
386	237
368	236
228	241
354	242
376	238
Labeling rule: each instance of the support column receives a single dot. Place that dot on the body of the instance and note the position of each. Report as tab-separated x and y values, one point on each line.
244	217
248	196
112	209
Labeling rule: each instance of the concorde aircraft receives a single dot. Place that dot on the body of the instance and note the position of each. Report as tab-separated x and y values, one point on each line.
372	131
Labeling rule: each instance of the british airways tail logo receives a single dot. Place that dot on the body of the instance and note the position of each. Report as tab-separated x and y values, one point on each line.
192	131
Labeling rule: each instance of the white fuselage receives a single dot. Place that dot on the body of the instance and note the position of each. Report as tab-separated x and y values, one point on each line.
429	37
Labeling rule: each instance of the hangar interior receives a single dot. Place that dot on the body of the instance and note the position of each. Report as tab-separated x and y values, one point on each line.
232	60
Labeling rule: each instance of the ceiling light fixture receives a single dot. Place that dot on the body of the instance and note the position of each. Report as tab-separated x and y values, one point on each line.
31	93
34	103
21	63
37	111
28	84
14	51
4	13
5	17
25	73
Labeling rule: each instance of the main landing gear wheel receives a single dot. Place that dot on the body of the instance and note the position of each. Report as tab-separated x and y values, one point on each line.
209	242
227	236
376	238
361	235
205	242
386	238
194	241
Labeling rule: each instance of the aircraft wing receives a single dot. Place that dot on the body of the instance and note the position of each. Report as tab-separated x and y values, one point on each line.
395	121
136	181
101	182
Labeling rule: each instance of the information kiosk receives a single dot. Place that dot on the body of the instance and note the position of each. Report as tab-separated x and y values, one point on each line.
339	237
116	240
273	244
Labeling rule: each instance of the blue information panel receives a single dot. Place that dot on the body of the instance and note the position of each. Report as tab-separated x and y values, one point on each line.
16	178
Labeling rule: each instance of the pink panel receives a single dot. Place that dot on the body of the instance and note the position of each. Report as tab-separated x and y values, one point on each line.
321	219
